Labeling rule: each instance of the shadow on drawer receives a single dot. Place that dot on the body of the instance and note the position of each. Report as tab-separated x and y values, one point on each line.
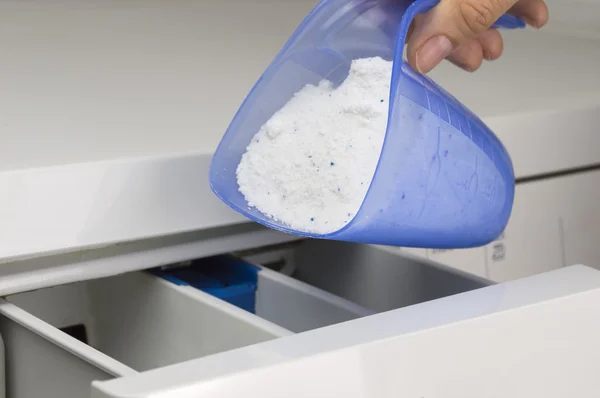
373	277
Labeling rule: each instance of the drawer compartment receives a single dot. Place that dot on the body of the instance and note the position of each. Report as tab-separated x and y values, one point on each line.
273	296
373	277
65	337
59	340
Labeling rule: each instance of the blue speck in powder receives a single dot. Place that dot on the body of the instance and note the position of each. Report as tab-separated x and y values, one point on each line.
312	219
331	163
381	101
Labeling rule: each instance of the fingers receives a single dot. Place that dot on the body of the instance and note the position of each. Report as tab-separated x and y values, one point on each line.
458	30
470	55
492	44
534	12
449	25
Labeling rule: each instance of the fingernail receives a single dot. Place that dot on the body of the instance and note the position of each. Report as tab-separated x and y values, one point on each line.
464	67
530	22
434	51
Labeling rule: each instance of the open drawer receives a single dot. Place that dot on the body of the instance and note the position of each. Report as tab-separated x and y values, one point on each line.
114	327
65	337
448	348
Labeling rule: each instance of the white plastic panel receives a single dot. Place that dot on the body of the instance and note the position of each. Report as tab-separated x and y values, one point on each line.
531	244
534	353
298	306
133	322
468	260
581	229
509	330
544	232
58	269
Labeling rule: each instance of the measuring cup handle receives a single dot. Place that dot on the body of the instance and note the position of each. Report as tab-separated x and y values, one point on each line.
507	21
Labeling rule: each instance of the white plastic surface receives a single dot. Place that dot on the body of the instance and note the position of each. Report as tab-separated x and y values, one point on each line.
524	331
59	269
134	322
147	100
298	306
529	352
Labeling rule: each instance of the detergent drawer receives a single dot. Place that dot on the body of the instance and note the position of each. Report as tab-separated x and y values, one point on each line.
60	339
310	284
396	351
67	336
270	295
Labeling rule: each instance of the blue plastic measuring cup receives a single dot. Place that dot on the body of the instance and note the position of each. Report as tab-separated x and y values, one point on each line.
443	179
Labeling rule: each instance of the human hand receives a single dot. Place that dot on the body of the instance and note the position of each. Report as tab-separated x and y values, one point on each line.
459	31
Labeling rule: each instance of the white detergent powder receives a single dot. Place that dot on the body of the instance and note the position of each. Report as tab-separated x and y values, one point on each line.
311	164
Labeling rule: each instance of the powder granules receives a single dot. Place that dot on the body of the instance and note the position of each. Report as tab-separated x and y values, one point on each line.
311	164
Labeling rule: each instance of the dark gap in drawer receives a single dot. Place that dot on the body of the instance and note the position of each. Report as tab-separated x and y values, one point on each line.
77	331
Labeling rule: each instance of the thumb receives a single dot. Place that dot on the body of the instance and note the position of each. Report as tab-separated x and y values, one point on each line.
449	24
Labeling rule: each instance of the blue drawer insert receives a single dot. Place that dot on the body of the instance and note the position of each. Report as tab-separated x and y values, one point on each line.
226	277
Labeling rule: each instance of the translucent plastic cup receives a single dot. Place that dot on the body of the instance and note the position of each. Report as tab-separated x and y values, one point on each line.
443	179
